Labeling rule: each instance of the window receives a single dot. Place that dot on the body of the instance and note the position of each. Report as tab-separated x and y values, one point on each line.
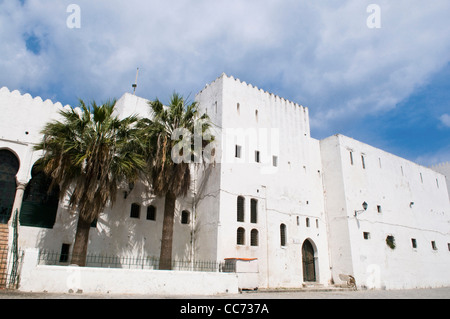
366	235
433	245
437	183
298	220
254	211
390	241
238	151
185	217
363	162
151	212
275	161
317	223
307	222
256	115
414	242
379	209
448	244
257	159
283	235
240	209
135	211
421	178
240	238
238	108
65	248
351	158
254	237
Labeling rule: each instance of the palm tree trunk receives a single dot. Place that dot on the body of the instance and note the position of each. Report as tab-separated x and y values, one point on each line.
81	243
165	260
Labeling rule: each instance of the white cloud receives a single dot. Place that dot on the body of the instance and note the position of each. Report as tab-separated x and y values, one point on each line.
320	54
445	119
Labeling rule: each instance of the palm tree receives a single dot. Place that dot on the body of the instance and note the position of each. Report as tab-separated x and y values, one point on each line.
171	177
89	155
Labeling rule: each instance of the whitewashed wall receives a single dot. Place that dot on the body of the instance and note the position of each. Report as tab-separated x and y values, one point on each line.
406	200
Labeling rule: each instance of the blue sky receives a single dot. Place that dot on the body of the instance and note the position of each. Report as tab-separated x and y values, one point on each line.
388	87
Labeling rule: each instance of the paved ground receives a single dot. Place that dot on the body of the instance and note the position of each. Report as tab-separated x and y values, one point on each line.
440	293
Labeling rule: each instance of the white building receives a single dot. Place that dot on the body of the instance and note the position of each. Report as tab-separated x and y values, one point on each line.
274	194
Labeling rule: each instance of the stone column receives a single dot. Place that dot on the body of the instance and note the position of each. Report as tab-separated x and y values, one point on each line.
20	190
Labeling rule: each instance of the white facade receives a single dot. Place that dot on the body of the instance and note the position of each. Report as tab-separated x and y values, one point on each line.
297	198
405	200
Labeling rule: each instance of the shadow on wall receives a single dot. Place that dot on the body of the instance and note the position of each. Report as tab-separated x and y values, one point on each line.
115	233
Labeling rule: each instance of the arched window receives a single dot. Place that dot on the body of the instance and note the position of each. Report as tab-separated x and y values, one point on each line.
9	166
240	238
240	209
135	211
40	203
283	235
151	212
254	237
185	217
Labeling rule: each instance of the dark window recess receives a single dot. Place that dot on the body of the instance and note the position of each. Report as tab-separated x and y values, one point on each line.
135	210
151	212
185	217
40	203
240	236
283	235
254	238
254	211
240	208
65	248
414	242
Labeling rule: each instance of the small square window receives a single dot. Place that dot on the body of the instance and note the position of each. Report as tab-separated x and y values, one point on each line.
414	242
238	151
366	235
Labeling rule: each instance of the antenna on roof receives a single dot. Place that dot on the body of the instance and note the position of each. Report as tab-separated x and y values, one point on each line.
135	83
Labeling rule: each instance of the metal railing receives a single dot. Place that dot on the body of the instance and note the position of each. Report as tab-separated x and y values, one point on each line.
132	262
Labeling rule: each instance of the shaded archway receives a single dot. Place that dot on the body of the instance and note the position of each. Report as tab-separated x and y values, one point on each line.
40	203
9	166
309	262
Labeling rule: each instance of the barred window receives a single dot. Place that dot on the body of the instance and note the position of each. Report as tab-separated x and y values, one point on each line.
254	237
254	211
283	234
240	238
240	209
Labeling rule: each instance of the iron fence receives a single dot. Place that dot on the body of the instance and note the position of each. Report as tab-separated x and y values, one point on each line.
10	262
132	262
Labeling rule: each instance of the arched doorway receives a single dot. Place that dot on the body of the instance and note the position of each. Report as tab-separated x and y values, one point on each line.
9	166
309	262
40	203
